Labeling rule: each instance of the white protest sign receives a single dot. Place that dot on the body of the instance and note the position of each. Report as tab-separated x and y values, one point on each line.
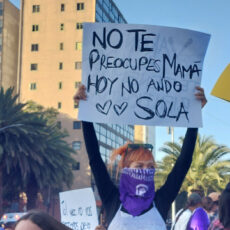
141	74
78	209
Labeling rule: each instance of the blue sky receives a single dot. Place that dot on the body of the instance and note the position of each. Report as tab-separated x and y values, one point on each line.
209	16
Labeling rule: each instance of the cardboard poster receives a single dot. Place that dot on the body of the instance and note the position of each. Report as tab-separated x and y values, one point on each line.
142	74
78	209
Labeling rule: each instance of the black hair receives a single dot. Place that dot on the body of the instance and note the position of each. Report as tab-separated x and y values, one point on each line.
224	207
207	203
43	220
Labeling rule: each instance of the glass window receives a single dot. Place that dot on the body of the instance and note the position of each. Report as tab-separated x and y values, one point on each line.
61	46
60	85
36	8
34	47
80	6
79	26
33	66
77	65
77	83
59	124
1	27
76	166
78	46
60	65
76	125
62	26
35	28
59	105
62	7
33	86
76	145
76	105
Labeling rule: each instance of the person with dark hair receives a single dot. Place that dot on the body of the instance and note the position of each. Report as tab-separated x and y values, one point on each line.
215	198
207	204
39	220
136	204
223	222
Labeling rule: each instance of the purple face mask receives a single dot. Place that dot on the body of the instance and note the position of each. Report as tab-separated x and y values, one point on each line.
137	189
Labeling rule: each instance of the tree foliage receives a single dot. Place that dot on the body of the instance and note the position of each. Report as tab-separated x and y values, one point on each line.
33	150
210	166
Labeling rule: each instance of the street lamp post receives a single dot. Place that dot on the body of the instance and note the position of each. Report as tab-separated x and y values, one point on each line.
171	131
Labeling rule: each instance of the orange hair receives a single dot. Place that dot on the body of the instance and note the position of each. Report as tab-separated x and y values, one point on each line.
127	157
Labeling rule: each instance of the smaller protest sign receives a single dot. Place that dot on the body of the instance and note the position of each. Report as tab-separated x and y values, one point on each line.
221	88
78	209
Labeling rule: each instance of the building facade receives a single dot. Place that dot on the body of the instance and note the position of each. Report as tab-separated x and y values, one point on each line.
50	69
9	27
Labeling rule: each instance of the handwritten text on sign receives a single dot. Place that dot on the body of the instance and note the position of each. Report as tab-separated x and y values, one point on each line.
136	74
78	209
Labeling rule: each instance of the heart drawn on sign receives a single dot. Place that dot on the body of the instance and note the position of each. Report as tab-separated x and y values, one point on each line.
105	108
119	109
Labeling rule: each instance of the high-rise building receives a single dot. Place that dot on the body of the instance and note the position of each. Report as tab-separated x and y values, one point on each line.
50	68
9	27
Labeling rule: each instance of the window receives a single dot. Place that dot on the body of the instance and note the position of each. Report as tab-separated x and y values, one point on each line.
76	105
77	83
79	26
34	47
1	8
76	145
76	166
60	85
76	125
62	7
62	26
35	28
61	46
36	8
78	46
80	6
77	65
59	124
60	65
33	86
1	28
59	105
33	66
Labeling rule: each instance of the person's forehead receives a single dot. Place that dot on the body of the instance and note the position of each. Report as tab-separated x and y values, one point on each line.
27	225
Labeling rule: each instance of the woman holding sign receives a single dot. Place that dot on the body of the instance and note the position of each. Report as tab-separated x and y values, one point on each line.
135	204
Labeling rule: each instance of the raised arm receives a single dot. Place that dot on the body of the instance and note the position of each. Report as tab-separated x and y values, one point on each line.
103	181
168	192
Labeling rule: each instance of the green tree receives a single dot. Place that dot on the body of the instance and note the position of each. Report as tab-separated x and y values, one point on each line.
33	152
209	170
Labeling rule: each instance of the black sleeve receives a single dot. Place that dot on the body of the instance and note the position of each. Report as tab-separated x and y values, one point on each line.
108	192
168	192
